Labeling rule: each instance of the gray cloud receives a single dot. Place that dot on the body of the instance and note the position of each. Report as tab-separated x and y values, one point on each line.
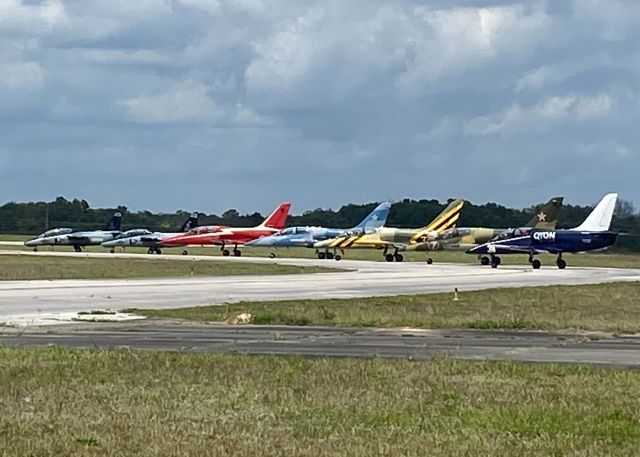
212	104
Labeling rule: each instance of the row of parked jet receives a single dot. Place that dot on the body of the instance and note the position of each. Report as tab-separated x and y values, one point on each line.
538	236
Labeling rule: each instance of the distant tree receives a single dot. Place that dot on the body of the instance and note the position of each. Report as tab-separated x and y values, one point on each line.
624	208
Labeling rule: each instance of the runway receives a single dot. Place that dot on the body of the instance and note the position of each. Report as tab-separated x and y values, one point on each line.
594	348
24	302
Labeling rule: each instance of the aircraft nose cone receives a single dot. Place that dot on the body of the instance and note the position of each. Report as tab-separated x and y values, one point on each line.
31	243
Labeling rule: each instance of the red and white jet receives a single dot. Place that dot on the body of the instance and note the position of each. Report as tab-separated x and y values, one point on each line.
224	236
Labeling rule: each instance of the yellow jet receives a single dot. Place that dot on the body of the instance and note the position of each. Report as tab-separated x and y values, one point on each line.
396	239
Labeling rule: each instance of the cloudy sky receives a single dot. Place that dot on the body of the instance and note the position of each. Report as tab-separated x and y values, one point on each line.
216	104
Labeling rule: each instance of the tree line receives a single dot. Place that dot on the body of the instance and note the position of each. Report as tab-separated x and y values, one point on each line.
36	217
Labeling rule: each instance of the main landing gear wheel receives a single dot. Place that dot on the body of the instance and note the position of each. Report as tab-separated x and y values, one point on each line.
272	255
321	255
185	252
536	264
388	257
151	251
560	262
484	260
237	253
495	261
337	257
35	249
159	251
398	257
329	255
225	253
77	248
429	260
112	250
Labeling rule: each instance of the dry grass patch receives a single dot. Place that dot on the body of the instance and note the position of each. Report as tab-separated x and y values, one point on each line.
611	307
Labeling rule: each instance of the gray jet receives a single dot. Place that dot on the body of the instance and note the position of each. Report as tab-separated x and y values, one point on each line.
151	240
68	237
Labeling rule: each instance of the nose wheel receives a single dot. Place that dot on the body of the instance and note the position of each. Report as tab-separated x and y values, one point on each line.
495	261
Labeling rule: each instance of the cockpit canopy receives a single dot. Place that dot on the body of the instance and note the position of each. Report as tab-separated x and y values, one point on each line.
513	233
135	232
205	229
56	232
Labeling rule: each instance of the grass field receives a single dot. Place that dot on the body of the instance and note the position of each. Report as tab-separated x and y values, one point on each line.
58	402
613	307
619	260
16	267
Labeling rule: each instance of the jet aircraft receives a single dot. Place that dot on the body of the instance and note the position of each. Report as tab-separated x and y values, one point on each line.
236	236
397	239
68	237
148	239
307	236
592	234
464	238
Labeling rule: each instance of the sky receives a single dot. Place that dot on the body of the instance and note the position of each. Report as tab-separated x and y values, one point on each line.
214	104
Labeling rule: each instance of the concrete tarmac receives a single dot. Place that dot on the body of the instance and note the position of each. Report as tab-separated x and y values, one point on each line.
524	346
32	301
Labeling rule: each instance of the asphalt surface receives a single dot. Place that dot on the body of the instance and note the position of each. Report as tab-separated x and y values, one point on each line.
592	348
35	302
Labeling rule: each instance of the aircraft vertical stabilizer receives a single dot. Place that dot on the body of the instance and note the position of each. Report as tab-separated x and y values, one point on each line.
600	218
190	223
547	217
277	219
115	224
376	219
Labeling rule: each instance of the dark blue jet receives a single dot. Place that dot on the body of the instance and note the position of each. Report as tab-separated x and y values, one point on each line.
307	236
591	235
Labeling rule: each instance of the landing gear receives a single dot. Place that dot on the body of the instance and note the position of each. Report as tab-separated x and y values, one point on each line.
328	255
35	249
337	257
184	252
429	260
395	256
560	262
151	251
321	255
158	251
495	261
77	248
484	260
225	253
112	250
236	252
535	263
272	255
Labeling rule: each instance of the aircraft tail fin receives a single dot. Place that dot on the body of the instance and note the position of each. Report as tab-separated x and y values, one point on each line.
600	218
115	224
547	217
277	219
446	220
376	219
190	223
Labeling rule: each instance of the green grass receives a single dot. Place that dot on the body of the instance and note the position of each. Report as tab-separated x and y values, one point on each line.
8	237
613	307
113	403
619	260
16	267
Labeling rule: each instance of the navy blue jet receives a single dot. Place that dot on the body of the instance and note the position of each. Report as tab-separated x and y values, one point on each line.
307	236
591	235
